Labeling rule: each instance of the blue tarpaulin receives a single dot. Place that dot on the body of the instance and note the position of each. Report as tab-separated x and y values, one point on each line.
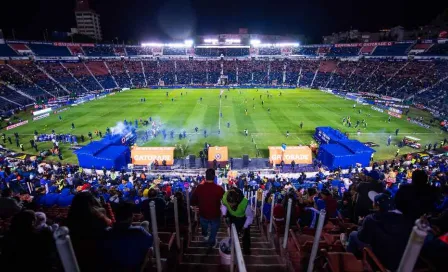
328	135
108	153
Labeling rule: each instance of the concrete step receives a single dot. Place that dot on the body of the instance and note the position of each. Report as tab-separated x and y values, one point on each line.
199	267
216	259
263	244
215	251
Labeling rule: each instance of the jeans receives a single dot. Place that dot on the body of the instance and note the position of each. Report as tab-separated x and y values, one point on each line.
355	246
239	224
214	226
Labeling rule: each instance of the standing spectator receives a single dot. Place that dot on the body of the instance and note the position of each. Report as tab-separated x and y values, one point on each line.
160	206
417	198
236	207
207	197
363	203
87	222
9	206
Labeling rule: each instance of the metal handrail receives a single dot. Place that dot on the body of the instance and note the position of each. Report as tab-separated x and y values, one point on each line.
155	234
271	222
188	211
65	250
237	254
288	219
176	222
320	226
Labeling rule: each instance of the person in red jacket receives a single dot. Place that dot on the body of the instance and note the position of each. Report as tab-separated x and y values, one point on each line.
207	197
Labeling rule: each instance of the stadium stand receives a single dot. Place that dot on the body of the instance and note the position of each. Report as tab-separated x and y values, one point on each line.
244	71
6	51
183	72
437	50
100	71
119	51
325	72
80	72
213	71
12	99
151	72
48	50
166	71
293	68
173	51
29	70
138	51
199	73
269	51
343	51
229	70
75	50
312	51
308	72
118	71
276	72
135	72
260	72
60	74
398	49
99	51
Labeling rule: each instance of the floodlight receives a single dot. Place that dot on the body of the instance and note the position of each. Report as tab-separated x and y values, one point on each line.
152	44
255	42
188	42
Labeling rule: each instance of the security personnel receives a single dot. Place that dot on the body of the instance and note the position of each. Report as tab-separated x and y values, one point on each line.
9	140
238	211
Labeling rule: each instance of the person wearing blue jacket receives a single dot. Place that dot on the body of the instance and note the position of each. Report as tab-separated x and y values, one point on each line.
65	198
50	199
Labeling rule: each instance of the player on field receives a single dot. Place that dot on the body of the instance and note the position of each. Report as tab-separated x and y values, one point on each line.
228	124
73	125
301	125
287	133
245	111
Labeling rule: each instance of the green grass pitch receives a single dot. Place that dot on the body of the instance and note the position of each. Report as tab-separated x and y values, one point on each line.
312	107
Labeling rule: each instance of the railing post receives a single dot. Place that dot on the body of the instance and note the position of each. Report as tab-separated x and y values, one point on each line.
239	255
232	250
288	219
176	222
65	250
271	222
320	226
415	243
261	208
155	234
188	212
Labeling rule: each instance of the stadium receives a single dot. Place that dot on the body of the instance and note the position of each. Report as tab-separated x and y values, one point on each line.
318	157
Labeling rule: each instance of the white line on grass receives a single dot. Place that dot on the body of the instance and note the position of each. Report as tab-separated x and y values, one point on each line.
219	115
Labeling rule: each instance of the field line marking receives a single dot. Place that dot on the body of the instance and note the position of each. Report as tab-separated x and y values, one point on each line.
219	114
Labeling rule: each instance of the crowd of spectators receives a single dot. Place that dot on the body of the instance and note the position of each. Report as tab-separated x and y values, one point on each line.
61	75
397	78
118	71
101	73
139	51
135	70
381	206
174	51
80	72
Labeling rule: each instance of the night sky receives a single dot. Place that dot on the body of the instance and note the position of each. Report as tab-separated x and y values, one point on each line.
164	20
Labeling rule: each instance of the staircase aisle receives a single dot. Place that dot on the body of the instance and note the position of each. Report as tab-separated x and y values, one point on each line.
264	256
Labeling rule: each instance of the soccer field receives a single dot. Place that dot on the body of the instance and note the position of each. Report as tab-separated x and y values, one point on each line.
312	107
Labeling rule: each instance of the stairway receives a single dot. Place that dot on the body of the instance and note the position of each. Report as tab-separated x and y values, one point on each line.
264	256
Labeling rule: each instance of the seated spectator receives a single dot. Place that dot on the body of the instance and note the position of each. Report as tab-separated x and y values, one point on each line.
9	206
363	204
41	223
24	248
417	198
160	206
87	222
330	204
182	209
345	206
126	245
385	231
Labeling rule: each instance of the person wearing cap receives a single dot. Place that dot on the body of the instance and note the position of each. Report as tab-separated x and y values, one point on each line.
385	231
237	209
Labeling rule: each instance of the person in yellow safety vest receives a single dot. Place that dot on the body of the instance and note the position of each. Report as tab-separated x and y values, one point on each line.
239	212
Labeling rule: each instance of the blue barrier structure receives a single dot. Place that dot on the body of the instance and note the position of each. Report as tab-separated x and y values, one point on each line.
328	135
336	150
110	152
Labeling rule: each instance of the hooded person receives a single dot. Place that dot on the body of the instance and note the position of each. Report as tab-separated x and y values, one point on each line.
386	231
237	209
